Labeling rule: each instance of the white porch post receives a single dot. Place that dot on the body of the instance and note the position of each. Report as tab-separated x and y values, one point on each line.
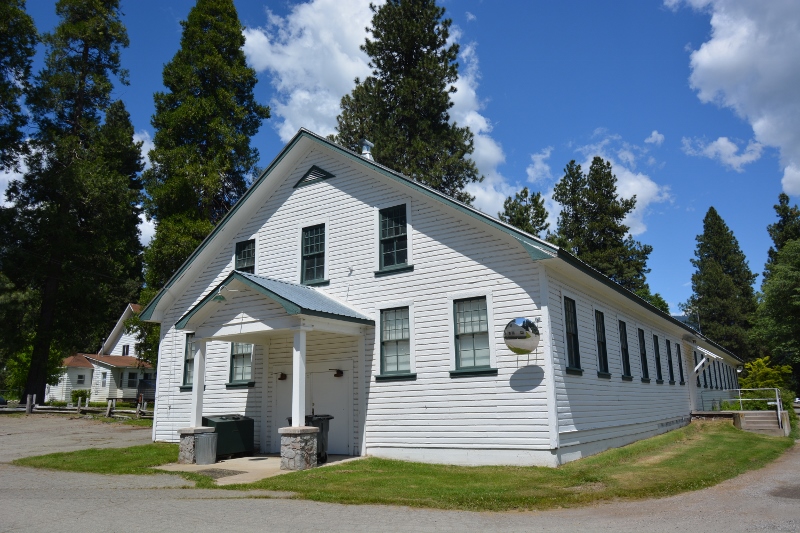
198	383
299	379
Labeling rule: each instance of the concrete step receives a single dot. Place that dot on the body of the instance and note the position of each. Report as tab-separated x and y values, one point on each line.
777	432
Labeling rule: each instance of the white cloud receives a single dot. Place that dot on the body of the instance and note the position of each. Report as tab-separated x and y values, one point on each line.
629	181
539	170
750	64
143	136
470	16
791	180
655	138
7	177
147	229
725	151
313	57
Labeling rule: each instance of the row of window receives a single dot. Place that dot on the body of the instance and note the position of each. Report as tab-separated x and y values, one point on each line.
574	353
133	379
393	247
717	375
241	363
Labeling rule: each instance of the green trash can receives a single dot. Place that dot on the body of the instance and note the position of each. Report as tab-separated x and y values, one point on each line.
323	422
235	434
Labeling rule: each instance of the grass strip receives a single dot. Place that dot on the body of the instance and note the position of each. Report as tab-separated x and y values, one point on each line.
694	457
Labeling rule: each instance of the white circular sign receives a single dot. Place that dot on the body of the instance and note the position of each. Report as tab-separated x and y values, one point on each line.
521	336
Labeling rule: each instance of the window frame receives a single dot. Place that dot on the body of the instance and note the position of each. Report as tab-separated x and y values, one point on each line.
452	298
126	349
80	379
135	380
624	350
645	366
383	373
573	360
602	345
669	362
236	255
188	360
679	355
232	381
313	223
378	268
657	355
104	379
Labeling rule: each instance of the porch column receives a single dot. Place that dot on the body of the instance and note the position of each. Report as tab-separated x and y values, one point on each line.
299	379
198	383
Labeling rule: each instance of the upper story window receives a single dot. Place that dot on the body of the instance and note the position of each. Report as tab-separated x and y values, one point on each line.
103	379
571	319
246	256
81	379
623	346
602	352
395	341
659	378
313	268
188	360
241	362
126	349
643	356
472	333
393	237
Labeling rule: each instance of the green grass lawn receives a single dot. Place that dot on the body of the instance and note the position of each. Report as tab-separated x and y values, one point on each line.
697	456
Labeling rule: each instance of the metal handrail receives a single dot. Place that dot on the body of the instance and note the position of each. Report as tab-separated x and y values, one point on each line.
778	402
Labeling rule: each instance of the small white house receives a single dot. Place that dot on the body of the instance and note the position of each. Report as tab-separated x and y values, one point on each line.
338	286
114	373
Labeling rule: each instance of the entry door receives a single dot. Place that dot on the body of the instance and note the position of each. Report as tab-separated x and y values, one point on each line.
331	396
283	396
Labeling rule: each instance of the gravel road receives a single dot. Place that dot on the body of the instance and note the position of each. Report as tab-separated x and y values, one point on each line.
36	500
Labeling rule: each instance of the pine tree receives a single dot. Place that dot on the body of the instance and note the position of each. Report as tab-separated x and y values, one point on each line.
590	226
722	287
526	212
786	229
403	108
202	157
72	233
17	47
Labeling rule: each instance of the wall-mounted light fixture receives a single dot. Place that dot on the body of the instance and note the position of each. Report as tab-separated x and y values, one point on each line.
739	369
337	373
281	376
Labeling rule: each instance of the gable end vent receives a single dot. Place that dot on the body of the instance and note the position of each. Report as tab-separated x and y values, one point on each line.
312	176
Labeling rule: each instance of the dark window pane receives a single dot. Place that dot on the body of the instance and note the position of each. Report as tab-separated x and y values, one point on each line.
472	333
602	353
643	355
623	343
313	253
571	318
246	256
393	238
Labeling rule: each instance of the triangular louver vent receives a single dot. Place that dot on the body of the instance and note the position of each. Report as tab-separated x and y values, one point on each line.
314	175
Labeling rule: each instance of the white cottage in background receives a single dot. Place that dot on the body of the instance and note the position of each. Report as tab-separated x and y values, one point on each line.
114	373
338	286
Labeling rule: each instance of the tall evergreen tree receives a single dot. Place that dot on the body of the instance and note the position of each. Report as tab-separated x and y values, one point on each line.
786	229
590	226
72	233
403	108
202	157
722	287
525	211
17	47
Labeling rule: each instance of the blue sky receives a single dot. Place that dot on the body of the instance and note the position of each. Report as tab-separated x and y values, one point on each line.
694	102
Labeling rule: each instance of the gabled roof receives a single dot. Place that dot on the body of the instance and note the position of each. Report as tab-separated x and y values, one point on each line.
76	361
119	361
295	299
538	249
119	327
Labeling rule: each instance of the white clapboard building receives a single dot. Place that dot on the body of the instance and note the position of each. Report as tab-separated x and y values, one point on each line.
338	286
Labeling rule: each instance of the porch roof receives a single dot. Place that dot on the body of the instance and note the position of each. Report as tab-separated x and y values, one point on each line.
295	299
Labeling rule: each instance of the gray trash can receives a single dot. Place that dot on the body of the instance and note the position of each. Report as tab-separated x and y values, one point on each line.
205	448
323	422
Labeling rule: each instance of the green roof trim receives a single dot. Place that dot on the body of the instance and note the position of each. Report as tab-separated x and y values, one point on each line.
312	176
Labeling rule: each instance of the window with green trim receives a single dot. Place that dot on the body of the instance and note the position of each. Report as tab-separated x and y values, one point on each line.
643	355
669	362
657	350
571	319
393	237
188	360
680	361
313	254
395	341
246	256
602	352
623	346
241	362
472	333
697	375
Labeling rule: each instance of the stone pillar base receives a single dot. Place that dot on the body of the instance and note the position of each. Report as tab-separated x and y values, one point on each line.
298	447
187	454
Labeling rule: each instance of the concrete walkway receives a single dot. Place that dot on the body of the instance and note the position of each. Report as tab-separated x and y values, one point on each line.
245	469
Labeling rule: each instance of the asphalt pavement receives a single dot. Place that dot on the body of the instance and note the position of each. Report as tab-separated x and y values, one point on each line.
38	500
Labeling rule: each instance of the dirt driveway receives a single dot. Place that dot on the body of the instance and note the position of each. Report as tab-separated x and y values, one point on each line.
40	500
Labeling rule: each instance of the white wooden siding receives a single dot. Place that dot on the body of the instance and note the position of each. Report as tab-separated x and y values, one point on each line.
450	253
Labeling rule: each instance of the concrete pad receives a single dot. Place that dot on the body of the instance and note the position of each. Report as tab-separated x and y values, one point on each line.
252	469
